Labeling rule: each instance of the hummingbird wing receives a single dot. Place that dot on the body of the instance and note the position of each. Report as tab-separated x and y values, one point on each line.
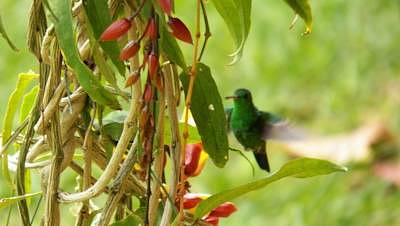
277	128
228	113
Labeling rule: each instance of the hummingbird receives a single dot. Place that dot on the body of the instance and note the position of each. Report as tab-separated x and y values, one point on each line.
253	127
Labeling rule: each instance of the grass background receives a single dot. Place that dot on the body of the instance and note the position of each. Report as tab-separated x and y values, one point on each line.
343	74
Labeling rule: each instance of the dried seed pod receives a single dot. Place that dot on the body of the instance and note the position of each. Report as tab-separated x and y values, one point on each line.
179	30
116	30
166	6
152	65
130	50
132	79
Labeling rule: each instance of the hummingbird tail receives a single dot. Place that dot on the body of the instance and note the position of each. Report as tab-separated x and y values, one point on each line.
262	159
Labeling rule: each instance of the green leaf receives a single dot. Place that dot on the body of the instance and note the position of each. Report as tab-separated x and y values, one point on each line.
208	113
99	19
131	220
4	202
171	48
27	103
24	80
303	9
66	39
300	168
236	14
3	33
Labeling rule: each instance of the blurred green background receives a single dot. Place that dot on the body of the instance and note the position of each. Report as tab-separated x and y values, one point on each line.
342	75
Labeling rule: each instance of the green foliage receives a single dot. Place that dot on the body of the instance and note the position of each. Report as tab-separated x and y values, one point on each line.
171	48
5	202
65	35
27	103
14	100
300	168
236	14
208	113
303	9
3	33
131	220
99	18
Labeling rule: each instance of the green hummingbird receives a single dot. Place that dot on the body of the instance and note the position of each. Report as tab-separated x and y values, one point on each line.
252	127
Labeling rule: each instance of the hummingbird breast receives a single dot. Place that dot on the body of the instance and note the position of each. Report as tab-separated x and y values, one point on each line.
248	132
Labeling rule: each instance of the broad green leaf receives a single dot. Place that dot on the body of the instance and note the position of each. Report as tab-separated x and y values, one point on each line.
5	36
24	80
99	18
171	48
236	14
4	202
66	38
208	113
303	9
299	168
131	220
27	103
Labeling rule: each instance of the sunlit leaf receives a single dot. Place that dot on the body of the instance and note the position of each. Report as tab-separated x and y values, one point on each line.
12	106
66	38
27	103
208	113
236	14
4	202
300	168
5	36
303	9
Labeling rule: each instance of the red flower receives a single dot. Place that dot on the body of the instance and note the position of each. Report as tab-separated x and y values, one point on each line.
179	30
195	159
132	79
212	220
190	200
151	29
148	93
152	65
116	30
223	210
166	6
130	50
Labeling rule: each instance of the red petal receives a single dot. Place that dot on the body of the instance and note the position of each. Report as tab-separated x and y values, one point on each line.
116	30
179	30
152	65
166	6
192	156
130	50
132	79
212	220
151	30
148	93
190	202
223	210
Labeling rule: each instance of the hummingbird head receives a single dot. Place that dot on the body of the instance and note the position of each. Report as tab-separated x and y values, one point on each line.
241	97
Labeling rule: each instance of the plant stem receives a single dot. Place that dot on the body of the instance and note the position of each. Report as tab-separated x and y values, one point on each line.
187	105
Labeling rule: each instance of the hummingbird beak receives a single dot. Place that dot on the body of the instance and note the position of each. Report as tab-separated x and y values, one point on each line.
231	97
